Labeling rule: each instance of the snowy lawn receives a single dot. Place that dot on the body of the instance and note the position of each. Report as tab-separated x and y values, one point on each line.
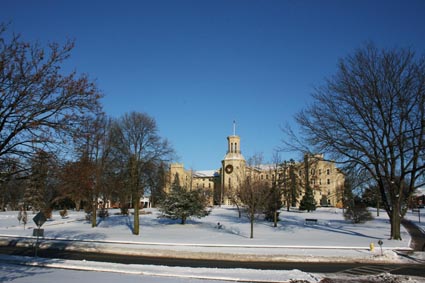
330	231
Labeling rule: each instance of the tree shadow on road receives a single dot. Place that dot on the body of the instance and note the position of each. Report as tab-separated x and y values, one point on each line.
10	272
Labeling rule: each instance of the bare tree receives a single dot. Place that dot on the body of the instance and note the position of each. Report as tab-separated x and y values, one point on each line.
371	116
142	150
38	103
233	195
76	182
254	192
93	142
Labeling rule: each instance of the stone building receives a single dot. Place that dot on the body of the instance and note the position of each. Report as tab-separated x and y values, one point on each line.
325	179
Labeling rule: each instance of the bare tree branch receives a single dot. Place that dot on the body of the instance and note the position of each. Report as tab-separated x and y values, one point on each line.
38	103
370	116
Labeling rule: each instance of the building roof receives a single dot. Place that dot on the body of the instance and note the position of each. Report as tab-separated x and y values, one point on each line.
205	173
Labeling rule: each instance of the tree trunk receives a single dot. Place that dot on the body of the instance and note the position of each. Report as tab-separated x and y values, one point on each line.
395	222
94	214
275	218
252	226
136	202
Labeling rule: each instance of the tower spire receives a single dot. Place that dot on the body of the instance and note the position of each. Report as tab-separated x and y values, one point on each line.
234	127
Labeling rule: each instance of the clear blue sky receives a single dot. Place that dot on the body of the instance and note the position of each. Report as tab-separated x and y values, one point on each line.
195	66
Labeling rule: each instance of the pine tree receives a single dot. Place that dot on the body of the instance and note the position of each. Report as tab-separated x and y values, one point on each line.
37	194
308	202
356	210
273	204
181	203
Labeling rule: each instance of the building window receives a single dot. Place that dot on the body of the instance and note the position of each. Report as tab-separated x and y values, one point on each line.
320	181
320	171
328	171
329	181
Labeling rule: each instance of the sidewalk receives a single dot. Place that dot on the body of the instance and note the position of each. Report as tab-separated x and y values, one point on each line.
417	235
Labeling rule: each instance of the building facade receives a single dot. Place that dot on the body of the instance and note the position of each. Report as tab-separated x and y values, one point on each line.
324	178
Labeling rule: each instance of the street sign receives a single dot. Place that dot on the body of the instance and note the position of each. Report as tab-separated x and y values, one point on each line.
39	219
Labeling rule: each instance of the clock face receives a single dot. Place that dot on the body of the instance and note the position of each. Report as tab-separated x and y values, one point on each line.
229	169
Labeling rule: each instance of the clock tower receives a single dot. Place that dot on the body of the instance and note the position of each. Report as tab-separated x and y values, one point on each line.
233	167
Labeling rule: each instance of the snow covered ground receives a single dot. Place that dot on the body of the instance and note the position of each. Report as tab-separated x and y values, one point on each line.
332	238
332	234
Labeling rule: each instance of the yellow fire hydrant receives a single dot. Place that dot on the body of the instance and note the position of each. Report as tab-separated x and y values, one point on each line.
372	247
